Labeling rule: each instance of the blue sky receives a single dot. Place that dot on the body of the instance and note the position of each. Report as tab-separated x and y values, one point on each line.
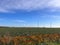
30	13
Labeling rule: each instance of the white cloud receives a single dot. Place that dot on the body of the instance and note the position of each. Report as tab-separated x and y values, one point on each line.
51	16
54	3
19	21
28	5
3	10
56	17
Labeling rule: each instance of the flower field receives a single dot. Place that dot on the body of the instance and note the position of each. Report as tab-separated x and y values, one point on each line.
33	36
39	39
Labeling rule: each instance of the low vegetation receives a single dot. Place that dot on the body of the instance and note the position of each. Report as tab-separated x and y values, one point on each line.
29	36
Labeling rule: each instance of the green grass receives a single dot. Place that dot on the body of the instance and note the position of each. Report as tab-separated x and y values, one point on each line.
17	31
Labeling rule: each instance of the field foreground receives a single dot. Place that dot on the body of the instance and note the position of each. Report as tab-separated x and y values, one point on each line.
29	36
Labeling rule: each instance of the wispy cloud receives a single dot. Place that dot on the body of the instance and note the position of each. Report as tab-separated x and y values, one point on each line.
51	16
28	5
12	22
19	21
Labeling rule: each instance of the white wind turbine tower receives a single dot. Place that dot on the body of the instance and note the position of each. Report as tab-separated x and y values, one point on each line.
50	24
24	24
38	21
